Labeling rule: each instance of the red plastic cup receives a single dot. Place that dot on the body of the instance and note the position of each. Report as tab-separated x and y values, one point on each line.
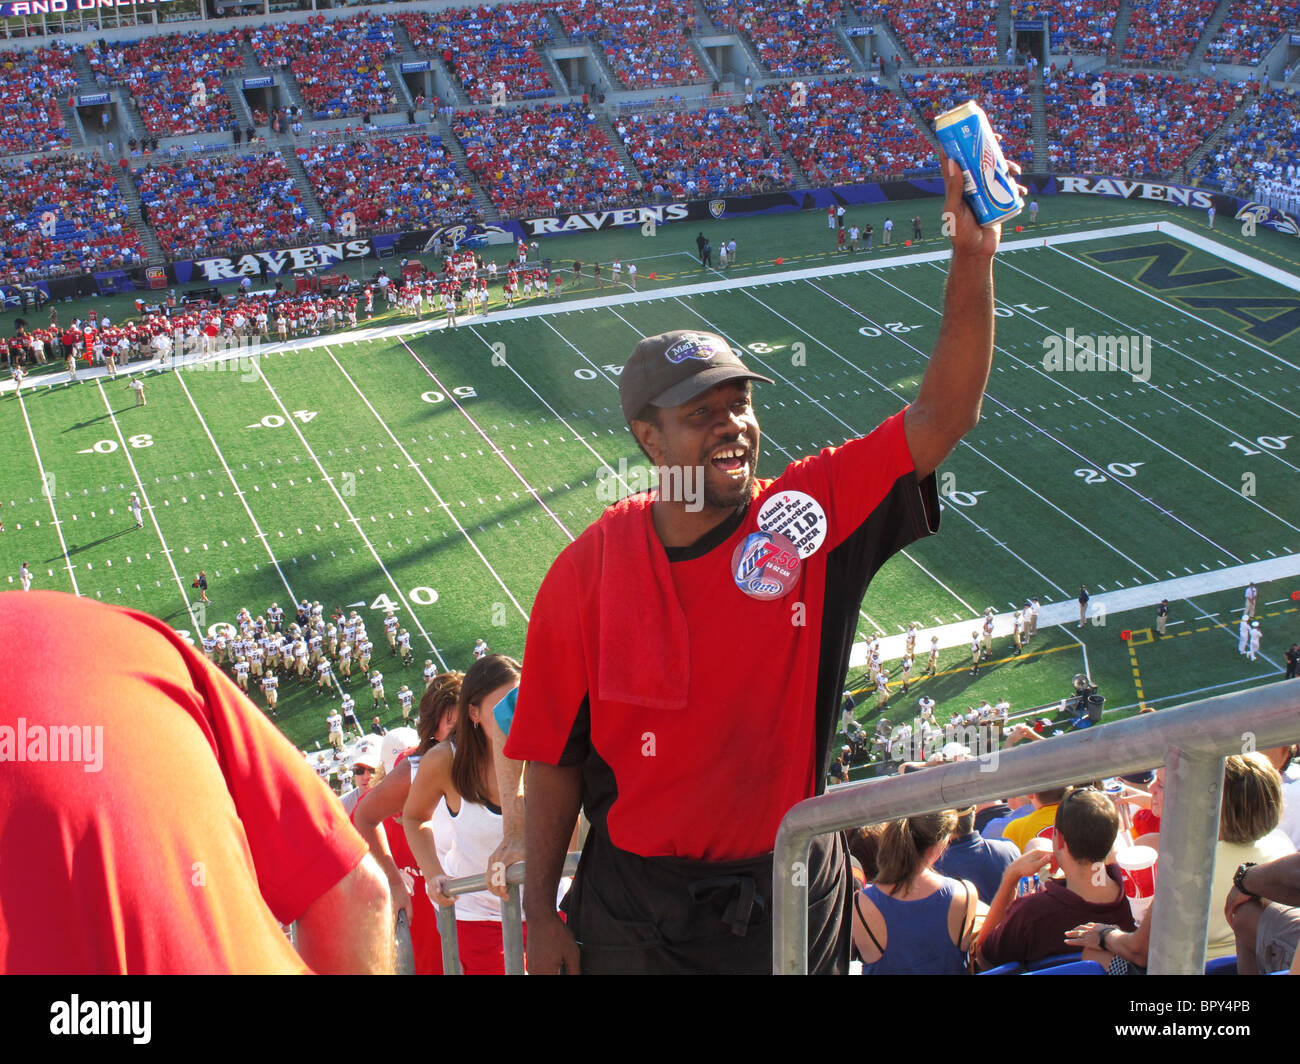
1137	865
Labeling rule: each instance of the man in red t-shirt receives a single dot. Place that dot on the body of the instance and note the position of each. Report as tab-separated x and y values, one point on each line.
153	821
686	654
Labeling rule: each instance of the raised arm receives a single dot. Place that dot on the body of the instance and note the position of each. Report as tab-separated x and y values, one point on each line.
348	930
948	405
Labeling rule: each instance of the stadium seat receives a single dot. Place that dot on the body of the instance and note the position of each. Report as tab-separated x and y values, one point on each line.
1074	968
1051	962
1011	968
1222	966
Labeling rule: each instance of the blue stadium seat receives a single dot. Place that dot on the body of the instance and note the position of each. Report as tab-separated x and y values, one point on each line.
1222	966
1052	961
1075	968
1011	968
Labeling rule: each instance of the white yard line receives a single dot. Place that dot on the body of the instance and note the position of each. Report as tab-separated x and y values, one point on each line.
1003	621
432	491
239	494
352	518
48	489
489	441
1133	329
1120	482
153	516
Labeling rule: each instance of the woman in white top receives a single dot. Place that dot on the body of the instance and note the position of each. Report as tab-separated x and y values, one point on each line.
462	779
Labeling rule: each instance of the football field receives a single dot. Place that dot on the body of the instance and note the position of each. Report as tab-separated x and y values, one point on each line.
440	471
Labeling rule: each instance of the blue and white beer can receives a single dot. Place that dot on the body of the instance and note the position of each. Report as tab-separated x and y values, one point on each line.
967	139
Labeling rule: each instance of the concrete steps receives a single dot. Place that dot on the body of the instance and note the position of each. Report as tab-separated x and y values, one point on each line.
1122	20
619	148
453	148
1038	127
1211	31
148	238
1210	143
299	174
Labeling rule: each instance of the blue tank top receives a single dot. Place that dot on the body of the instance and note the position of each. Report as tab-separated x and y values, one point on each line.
918	942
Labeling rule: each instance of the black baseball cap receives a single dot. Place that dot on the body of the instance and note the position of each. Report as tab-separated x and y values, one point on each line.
674	367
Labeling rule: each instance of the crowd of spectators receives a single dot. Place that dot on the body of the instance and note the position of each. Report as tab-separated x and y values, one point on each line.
175	80
339	64
61	214
393	184
1078	27
790	36
543	160
31	84
1250	29
482	46
1258	155
847	131
697	154
1141	125
1164	32
1004	95
212	205
948	32
646	43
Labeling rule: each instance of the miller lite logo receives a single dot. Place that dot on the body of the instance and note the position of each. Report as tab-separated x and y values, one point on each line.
995	184
717	207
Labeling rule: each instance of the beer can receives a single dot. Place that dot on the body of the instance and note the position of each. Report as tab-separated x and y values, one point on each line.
967	139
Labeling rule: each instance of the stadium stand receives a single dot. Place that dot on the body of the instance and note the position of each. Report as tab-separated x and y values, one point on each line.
848	131
695	154
1164	32
1258	154
210	205
1004	94
948	32
543	160
30	85
644	42
339	64
790	36
485	45
175	80
81	209
387	184
1148	124
1078	27
1250	28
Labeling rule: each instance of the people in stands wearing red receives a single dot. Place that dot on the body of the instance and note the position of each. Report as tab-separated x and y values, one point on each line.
180	847
1033	926
1164	32
644	42
791	36
31	85
948	32
484	45
913	920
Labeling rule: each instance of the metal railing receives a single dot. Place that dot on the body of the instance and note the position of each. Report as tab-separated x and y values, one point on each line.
512	916
1191	741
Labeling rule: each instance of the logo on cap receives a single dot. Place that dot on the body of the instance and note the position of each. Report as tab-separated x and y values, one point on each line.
693	345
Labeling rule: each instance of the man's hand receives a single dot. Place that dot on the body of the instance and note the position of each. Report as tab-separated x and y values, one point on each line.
552	949
968	236
1236	899
433	887
1027	864
510	852
400	889
1086	936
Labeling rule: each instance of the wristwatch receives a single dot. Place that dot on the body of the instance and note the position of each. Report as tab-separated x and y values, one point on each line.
1239	878
1101	936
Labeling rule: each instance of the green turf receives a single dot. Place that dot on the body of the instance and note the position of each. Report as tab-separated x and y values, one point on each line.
443	473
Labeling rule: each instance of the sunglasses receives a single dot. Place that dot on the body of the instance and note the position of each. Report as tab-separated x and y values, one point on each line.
362	770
